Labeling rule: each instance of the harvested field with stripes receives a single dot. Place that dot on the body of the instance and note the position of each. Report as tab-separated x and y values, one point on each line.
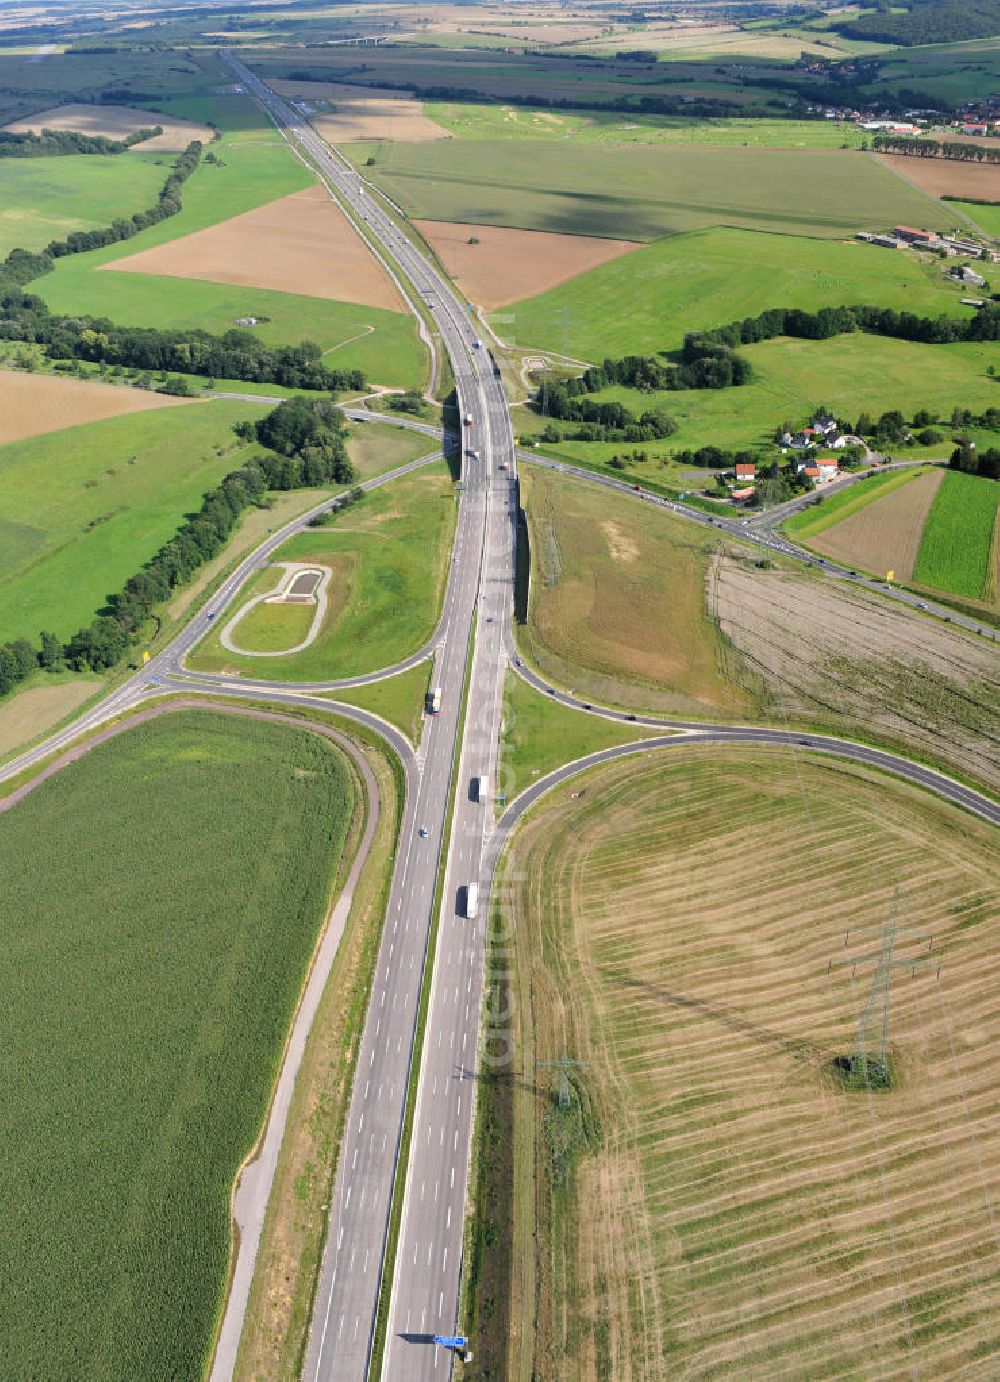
832	654
713	1202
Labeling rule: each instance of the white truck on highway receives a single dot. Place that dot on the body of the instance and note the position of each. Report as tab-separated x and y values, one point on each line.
434	701
481	788
472	901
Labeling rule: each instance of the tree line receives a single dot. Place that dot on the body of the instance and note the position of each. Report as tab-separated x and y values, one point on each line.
51	143
307	448
21	266
972	461
877	321
925	21
934	148
235	354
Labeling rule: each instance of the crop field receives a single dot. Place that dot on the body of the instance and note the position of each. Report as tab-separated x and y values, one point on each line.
116	122
959	551
646	301
144	1022
848	373
494	265
46	198
45	701
390	557
830	654
617	607
85	507
640	192
713	1200
466	121
300	244
947	177
342	113
31	404
631	606
883	535
816	518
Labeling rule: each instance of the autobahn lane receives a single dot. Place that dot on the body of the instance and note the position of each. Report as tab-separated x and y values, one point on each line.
341	1336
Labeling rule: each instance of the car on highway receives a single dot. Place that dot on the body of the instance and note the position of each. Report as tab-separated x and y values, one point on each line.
423	832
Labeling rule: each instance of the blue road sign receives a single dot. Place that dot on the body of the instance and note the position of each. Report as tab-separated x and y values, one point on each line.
451	1340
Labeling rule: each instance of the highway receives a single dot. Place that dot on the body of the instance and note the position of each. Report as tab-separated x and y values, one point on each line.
423	1301
448	840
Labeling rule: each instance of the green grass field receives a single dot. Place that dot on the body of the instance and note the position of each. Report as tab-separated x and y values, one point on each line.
986	217
816	518
82	509
390	557
957	549
468	121
617	609
848	374
947	72
540	734
647	300
640	192
27	87
273	628
400	699
43	199
156	950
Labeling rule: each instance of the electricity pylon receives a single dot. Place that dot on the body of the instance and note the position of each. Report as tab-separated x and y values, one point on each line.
562	1064
870	1060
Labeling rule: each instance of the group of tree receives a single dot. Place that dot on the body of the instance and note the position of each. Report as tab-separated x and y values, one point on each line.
960	150
51	143
877	321
715	457
564	400
924	21
21	266
972	461
409	402
892	429
235	354
307	448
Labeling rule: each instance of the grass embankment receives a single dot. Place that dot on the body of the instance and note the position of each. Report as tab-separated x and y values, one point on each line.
279	1311
647	300
160	952
634	607
959	552
84	508
617	608
986	216
46	198
540	734
400	699
389	558
833	508
640	192
713	1198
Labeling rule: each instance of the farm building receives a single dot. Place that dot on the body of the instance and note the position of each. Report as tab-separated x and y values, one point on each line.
746	470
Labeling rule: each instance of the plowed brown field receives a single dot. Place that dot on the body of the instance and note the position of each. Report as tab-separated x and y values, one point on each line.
947	177
884	535
714	1203
298	244
363	112
507	265
115	122
31	404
